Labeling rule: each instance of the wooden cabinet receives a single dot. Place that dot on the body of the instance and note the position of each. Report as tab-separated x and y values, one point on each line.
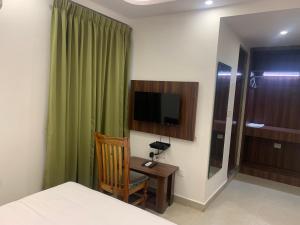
291	157
275	133
278	154
264	158
273	151
261	151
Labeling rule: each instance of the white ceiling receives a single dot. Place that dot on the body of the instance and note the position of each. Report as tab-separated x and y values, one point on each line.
134	11
262	30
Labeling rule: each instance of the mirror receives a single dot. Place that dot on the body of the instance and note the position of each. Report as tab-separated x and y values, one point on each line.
219	118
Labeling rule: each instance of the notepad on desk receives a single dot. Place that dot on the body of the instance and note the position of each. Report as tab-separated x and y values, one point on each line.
255	125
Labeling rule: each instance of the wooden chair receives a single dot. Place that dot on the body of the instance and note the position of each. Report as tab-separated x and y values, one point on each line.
115	177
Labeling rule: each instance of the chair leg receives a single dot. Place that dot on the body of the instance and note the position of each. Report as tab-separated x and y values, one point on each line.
145	194
126	197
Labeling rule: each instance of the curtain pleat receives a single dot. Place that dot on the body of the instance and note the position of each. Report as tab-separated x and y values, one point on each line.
88	90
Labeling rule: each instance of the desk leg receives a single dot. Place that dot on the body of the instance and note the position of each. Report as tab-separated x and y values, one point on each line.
161	194
171	182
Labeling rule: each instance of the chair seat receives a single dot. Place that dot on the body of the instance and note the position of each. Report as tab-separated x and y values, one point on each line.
136	179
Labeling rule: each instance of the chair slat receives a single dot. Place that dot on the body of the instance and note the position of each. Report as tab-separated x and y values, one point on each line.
115	166
120	166
103	163
111	172
113	155
107	164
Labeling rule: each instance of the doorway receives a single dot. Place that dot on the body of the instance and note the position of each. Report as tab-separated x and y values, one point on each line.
269	137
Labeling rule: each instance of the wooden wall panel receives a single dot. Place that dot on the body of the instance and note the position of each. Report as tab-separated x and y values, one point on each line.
291	157
275	133
261	151
189	98
275	102
271	173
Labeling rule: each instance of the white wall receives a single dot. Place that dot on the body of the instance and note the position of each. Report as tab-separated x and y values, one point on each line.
183	47
228	52
172	47
105	11
24	60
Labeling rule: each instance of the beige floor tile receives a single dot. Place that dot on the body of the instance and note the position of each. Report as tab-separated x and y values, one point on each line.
245	201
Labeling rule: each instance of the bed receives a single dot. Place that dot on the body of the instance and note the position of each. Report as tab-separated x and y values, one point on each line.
74	204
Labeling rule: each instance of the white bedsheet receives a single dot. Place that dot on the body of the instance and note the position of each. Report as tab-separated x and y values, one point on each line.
74	204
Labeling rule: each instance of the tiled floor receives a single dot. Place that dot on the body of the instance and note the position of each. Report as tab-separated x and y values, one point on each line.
245	201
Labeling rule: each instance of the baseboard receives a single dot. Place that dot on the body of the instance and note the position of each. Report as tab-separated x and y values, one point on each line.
215	194
203	206
189	202
221	188
199	205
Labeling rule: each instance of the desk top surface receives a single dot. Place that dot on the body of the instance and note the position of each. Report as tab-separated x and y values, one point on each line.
160	170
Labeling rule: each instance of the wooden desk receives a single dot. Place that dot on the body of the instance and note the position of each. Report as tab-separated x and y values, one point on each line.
165	176
275	133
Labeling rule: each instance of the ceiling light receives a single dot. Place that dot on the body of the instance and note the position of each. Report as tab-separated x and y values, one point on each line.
209	2
284	32
221	73
281	74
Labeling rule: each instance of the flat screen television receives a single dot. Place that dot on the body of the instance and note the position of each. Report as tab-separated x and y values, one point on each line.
157	108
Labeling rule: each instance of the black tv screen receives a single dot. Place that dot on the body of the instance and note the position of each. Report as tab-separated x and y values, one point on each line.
157	107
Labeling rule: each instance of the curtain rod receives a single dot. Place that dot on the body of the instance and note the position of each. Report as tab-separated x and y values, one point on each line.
51	5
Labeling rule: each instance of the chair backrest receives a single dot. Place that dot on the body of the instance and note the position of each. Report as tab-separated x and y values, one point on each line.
113	156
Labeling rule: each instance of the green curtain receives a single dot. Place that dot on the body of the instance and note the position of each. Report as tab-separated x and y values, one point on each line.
88	90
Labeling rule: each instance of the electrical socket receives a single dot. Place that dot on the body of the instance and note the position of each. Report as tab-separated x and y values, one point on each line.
277	146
